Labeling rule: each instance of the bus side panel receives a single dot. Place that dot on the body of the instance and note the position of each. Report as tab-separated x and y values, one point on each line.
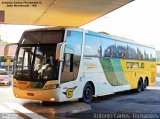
135	69
93	71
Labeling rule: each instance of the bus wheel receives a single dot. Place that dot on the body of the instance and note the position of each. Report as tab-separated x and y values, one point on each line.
145	84
87	93
140	86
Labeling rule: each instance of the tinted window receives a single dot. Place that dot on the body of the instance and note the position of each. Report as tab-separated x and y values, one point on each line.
121	49
140	52
132	51
153	54
149	54
92	46
108	47
67	70
72	56
74	42
146	53
43	36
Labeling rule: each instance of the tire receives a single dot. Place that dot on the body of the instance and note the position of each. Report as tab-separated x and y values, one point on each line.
140	86
87	93
145	83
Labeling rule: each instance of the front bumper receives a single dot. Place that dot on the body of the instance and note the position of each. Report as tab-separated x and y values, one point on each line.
39	94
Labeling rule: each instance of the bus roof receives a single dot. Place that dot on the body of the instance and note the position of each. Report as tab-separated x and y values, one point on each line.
101	34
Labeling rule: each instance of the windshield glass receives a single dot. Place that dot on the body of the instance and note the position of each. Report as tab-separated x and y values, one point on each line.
36	63
42	37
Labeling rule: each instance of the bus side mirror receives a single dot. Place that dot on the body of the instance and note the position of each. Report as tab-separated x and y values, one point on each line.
7	49
60	51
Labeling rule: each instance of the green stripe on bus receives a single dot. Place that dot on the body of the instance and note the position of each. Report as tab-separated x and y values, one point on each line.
113	71
119	71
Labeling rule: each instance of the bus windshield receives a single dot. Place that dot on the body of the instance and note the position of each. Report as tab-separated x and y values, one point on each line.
36	63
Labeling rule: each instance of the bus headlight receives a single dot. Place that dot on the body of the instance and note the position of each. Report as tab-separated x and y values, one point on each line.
52	99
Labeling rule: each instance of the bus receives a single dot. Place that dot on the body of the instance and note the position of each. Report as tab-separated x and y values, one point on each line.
61	64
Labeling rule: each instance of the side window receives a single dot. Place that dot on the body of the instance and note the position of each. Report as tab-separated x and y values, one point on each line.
153	54
140	52
150	54
146	53
72	55
132	51
73	42
121	49
108	47
92	46
68	66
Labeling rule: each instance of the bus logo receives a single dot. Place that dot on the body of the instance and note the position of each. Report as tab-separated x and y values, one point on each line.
131	65
69	92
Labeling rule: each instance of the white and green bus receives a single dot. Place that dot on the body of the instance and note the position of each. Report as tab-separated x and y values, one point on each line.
61	64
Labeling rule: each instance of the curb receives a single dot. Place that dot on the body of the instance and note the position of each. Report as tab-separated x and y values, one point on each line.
72	109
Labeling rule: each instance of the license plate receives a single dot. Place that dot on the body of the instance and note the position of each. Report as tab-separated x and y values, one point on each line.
30	94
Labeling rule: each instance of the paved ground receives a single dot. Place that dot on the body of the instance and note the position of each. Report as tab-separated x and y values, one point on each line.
127	102
29	109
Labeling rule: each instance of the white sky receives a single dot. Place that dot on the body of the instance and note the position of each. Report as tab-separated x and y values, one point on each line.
139	21
12	33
